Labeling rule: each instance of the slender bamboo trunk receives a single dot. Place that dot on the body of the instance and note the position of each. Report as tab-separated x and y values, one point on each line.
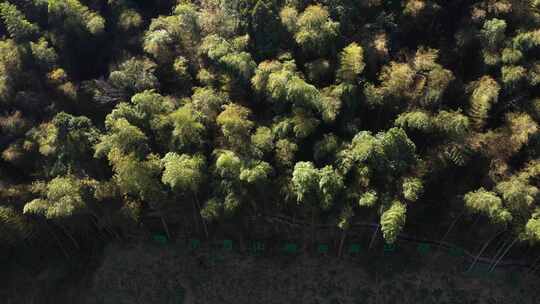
70	236
111	229
165	227
342	242
532	268
51	232
446	234
95	217
195	217
202	219
312	225
500	249
484	248
504	254
373	236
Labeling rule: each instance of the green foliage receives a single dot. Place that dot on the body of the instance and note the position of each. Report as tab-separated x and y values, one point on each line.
305	181
228	165
209	102
13	226
265	28
330	186
412	188
44	55
417	120
129	19
16	24
368	199
188	129
487	203
304	124
326	147
396	79
10	67
485	93
289	18
183	172
532	228
263	139
63	198
211	209
72	139
526	40
232	204
229	55
258	173
511	56
349	106
123	136
392	221
453	124
512	75
518	196
134	75
493	32
76	14
313	29
234	123
285	152
351	63
168	36
138	178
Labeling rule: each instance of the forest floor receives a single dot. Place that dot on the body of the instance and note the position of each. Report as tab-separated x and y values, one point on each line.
151	272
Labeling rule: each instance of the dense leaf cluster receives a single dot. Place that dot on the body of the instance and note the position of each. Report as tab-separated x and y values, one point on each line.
114	111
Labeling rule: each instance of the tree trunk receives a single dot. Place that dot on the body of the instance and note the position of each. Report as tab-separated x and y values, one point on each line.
446	234
57	241
165	227
532	268
313	225
504	254
373	236
484	248
70	236
342	242
202	219
501	248
195	216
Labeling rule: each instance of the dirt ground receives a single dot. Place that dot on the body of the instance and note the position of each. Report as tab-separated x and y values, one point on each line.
149	273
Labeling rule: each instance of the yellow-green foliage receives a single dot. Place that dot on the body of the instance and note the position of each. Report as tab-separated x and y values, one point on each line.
485	93
487	203
183	172
392	221
416	120
234	123
63	198
75	12
351	63
13	226
313	29
15	22
412	188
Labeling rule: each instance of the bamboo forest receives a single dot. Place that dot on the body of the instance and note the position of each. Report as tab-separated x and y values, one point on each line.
270	151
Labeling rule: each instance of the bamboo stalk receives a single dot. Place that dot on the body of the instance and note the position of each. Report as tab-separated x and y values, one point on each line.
504	254
484	248
58	241
202	219
69	236
373	236
165	226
